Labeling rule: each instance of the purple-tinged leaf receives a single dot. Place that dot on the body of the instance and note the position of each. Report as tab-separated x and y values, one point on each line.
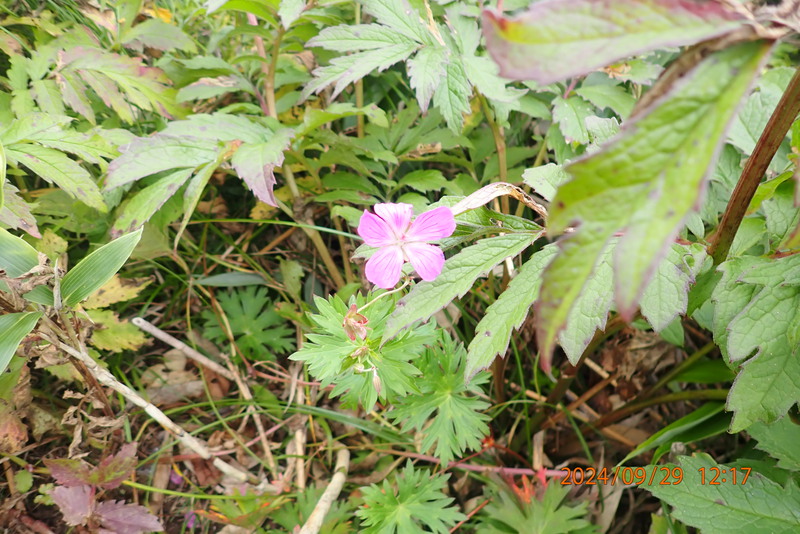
255	163
74	94
113	470
75	503
155	33
69	473
151	155
16	213
123	518
595	33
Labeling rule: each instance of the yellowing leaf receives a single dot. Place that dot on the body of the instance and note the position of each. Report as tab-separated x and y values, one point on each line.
116	290
113	334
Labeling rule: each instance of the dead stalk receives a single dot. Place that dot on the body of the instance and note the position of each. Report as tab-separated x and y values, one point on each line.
314	522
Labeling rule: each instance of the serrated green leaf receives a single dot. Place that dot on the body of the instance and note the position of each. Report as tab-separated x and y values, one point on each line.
97	268
751	120
645	183
146	202
425	71
18	256
667	295
545	179
400	16
534	45
780	440
151	155
47	96
758	505
155	33
345	70
452	96
456	278
614	97
13	329
768	384
507	313
418	505
446	411
57	168
570	114
553	514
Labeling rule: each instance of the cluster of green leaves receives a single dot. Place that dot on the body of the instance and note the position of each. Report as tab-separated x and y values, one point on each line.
259	331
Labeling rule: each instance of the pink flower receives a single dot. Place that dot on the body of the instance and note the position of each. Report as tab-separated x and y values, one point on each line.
399	240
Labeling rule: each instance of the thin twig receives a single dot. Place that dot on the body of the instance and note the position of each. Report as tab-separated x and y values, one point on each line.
183	347
314	522
108	380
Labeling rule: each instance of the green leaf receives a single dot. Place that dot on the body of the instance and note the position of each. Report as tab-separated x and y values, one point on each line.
757	505
425	71
424	180
57	168
47	96
550	515
149	200
536	44
418	505
570	115
614	97
452	96
667	295
289	11
456	278
255	164
13	329
151	155
234	279
644	184
545	179
16	213
768	325
751	120
672	432
18	256
507	313
780	440
2	176
447	412
314	118
155	33
97	268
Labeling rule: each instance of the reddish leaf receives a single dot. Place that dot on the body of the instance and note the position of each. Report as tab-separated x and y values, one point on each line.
69	473
75	503
124	518
113	470
595	33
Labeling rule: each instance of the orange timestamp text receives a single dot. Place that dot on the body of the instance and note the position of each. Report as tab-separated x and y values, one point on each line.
663	476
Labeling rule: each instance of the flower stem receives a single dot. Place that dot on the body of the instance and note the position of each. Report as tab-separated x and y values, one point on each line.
758	162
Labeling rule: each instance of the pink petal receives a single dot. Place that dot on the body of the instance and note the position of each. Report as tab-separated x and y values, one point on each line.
432	225
384	267
375	231
426	259
397	216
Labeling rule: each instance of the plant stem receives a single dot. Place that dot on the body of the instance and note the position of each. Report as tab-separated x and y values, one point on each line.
630	409
268	69
500	145
359	88
757	164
